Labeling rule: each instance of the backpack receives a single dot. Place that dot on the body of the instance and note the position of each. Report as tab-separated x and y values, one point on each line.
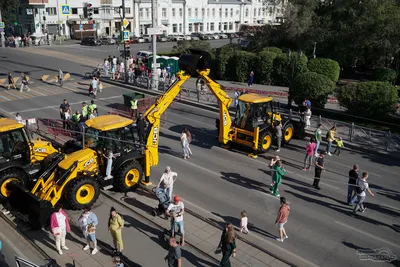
327	135
360	187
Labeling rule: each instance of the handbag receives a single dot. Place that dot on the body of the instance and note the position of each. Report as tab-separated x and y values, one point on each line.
91	228
56	231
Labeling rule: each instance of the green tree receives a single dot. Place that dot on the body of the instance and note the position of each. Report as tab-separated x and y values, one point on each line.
368	99
264	66
325	66
240	65
222	56
384	75
184	46
313	86
274	50
286	67
7	8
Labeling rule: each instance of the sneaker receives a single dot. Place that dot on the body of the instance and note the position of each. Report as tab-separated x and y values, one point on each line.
304	169
316	154
277	150
318	188
329	154
277	195
95	250
286	237
65	248
60	252
86	247
364	210
279	239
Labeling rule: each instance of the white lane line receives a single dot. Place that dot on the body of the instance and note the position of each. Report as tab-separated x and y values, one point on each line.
55	106
367	234
5	98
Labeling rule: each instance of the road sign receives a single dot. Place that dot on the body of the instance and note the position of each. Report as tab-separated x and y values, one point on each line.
94	26
65	10
81	27
125	23
156	31
126	36
1	25
1	29
157	65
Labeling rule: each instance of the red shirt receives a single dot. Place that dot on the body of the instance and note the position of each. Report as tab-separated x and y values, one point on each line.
283	214
310	149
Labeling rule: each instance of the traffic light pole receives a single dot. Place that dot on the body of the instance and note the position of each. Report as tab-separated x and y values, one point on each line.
154	73
125	61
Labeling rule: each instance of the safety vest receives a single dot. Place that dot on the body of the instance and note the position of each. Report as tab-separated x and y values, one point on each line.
76	117
134	104
84	111
92	107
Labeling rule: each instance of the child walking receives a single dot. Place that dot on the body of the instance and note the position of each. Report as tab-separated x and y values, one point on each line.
339	145
117	262
243	223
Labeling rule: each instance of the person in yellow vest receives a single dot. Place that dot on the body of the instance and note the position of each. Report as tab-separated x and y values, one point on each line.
134	106
85	111
76	118
339	145
92	107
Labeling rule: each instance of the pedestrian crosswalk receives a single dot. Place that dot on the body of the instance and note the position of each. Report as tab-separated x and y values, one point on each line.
43	90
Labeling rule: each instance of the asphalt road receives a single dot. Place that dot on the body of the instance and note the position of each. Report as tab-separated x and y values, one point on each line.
221	183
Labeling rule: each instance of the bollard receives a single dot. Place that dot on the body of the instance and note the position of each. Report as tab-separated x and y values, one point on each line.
351	132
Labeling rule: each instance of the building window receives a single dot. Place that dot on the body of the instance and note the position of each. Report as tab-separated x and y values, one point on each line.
231	12
196	12
189	12
201	27
211	26
213	12
141	12
127	10
278	10
208	12
190	27
226	12
270	10
255	12
148	12
51	11
174	27
259	12
247	12
180	12
180	27
208	26
203	13
230	26
74	11
225	26
96	10
220	12
219	26
164	12
173	12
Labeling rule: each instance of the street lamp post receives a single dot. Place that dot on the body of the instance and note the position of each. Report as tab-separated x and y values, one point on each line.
154	75
122	38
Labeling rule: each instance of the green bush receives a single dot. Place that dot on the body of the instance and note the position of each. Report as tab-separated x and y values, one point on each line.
313	86
240	65
275	50
368	99
264	66
328	67
287	67
384	75
223	54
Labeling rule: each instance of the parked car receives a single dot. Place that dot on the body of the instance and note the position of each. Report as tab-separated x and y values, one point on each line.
208	37
187	37
107	41
215	36
146	38
177	38
223	36
90	41
196	36
143	55
162	38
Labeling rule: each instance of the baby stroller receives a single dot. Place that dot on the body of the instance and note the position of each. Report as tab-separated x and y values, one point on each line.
163	202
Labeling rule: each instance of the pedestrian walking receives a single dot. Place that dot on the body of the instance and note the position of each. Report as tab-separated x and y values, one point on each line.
24	83
106	66
176	210
94	86
92	106
353	178
228	246
113	69
18	118
184	143
278	133
319	167
251	79
11	81
115	225
243	222
279	172
362	186
174	256
59	225
271	166
330	137
339	146
85	111
117	261
60	77
310	148
282	218
189	139
318	138
237	94
141	128
167	181
65	112
134	108
307	117
88	222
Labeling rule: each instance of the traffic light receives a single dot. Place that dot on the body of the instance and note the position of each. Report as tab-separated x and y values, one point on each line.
125	53
89	10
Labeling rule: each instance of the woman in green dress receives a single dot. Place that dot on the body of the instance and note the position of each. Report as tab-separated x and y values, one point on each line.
115	224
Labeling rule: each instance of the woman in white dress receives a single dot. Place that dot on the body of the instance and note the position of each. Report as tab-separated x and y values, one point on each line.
307	117
185	143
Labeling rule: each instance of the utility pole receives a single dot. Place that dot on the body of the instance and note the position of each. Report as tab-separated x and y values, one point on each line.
154	73
122	38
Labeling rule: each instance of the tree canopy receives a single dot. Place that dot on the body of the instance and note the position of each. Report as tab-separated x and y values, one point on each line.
8	8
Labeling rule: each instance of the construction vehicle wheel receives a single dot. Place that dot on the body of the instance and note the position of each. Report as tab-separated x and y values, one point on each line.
7	177
128	176
264	141
82	192
288	132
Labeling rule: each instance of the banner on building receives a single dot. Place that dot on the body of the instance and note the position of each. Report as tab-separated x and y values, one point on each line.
106	2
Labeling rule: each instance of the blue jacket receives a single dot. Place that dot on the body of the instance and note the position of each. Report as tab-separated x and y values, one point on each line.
92	219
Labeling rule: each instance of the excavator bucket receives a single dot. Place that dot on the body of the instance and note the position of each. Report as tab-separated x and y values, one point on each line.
29	206
196	60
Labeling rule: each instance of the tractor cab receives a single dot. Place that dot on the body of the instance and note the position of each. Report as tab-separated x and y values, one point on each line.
255	111
13	141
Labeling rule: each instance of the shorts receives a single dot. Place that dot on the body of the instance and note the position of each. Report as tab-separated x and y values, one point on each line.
91	237
178	227
280	225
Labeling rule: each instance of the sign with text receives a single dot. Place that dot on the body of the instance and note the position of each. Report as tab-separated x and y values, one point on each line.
106	2
156	31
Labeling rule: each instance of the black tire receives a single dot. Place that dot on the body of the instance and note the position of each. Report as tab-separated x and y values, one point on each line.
287	133
82	192
264	141
5	177
128	176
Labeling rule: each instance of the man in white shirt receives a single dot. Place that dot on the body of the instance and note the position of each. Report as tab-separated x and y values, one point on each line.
167	180
362	186
176	211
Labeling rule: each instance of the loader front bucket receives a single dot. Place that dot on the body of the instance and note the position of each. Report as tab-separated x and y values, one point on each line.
24	203
196	60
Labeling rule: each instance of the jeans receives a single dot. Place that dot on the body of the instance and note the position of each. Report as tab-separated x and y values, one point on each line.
309	159
360	205
185	150
178	227
279	141
317	146
337	149
350	191
328	147
353	199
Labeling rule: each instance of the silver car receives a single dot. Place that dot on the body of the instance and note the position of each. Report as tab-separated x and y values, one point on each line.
223	36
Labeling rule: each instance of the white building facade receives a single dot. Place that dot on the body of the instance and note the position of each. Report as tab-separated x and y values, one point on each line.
179	16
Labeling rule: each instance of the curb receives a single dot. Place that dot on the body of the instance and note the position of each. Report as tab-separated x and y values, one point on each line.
219	227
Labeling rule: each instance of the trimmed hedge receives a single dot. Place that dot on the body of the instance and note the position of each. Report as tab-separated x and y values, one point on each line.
223	54
384	75
328	67
264	66
313	86
275	50
240	65
287	67
368	99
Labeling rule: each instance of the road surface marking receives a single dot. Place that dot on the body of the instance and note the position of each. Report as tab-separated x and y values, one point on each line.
10	95
367	234
5	98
